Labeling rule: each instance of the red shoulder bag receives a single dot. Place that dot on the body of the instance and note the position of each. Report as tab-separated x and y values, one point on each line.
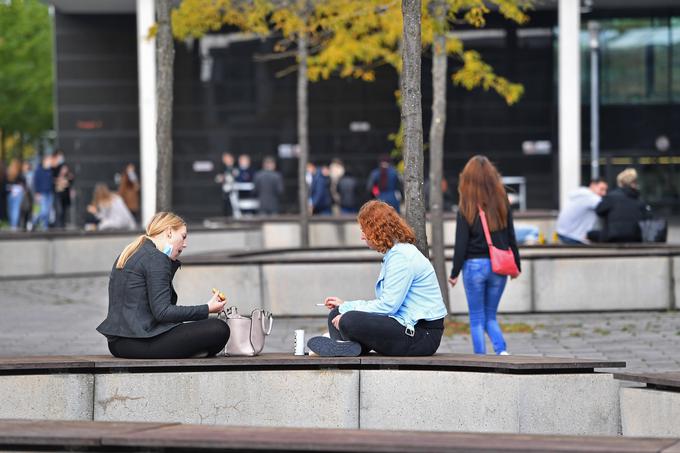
502	261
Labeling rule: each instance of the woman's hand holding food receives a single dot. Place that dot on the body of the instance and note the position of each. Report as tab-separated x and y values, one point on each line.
217	302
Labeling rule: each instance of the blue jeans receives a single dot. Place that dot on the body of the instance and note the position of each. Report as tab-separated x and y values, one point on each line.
483	289
43	218
568	240
14	207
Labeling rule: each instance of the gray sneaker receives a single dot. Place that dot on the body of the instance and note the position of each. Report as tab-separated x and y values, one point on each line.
326	347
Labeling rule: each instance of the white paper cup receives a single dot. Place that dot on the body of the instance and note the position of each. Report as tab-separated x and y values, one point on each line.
299	342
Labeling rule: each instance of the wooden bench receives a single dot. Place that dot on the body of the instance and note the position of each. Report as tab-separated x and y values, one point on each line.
101	364
669	380
653	409
122	436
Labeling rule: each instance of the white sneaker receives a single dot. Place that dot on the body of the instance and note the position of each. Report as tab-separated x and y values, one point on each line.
504	353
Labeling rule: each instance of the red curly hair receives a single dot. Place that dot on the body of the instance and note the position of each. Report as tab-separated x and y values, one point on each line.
383	227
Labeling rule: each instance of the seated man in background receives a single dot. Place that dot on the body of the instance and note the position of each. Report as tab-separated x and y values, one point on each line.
621	210
578	216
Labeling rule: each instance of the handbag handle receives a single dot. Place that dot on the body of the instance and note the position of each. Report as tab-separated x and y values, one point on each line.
268	316
485	226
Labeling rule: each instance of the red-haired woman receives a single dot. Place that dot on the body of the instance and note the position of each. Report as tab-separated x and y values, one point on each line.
480	186
407	315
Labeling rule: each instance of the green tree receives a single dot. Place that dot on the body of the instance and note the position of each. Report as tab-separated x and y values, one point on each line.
25	71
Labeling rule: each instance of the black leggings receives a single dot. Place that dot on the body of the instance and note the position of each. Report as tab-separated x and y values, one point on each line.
385	335
190	339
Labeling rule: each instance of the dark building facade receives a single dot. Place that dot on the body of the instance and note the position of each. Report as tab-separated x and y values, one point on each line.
242	106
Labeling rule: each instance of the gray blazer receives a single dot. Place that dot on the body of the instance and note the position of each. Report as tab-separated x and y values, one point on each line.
142	301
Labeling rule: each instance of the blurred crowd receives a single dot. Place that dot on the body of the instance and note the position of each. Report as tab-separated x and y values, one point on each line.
40	194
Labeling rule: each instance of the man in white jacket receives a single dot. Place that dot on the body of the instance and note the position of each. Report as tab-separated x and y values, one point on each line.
578	216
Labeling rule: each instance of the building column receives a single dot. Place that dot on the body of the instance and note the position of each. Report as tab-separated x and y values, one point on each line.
569	97
146	74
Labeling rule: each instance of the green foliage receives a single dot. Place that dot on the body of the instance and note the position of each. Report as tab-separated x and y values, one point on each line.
25	68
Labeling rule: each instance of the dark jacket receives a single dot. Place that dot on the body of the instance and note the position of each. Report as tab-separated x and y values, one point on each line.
142	301
348	190
320	193
621	210
269	188
471	243
384	183
43	181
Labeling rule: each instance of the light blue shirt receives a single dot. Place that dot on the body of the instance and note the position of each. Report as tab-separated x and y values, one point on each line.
407	289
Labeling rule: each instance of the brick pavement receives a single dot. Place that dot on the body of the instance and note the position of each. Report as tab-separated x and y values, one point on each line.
59	315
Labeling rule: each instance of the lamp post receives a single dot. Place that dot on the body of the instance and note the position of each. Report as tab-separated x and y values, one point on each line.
594	32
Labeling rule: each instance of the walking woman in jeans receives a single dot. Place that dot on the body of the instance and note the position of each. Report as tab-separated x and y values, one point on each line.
480	186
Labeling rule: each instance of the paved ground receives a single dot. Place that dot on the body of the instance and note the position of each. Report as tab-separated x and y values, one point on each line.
59	316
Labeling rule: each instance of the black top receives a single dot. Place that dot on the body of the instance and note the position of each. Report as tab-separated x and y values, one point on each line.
142	301
471	243
622	210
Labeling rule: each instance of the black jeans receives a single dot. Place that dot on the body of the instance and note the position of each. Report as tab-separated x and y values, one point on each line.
190	339
385	335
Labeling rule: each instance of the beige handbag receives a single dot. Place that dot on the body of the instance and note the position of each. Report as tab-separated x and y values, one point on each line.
247	333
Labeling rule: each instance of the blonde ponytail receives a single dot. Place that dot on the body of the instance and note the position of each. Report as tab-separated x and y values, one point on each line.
129	250
158	223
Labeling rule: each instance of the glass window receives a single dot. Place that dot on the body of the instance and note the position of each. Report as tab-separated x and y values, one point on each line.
635	61
675	59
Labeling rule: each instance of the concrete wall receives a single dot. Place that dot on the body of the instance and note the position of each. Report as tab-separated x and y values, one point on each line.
287	398
602	284
650	412
96	253
47	397
675	283
29	257
546	285
240	283
294	289
583	404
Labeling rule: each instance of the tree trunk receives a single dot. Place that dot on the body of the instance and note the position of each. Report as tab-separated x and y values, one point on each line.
2	145
165	54
303	138
412	118
437	128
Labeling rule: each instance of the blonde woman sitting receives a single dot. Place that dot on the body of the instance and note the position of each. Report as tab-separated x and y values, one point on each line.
144	320
109	210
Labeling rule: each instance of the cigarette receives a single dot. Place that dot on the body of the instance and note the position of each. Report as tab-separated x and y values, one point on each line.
320	305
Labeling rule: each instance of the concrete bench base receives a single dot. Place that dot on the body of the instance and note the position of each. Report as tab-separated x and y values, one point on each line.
47	396
427	400
483	402
285	398
650	412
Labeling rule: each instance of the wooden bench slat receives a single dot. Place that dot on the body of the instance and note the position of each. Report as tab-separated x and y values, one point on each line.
510	362
45	362
670	379
158	435
266	439
263	360
675	448
61	432
449	361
